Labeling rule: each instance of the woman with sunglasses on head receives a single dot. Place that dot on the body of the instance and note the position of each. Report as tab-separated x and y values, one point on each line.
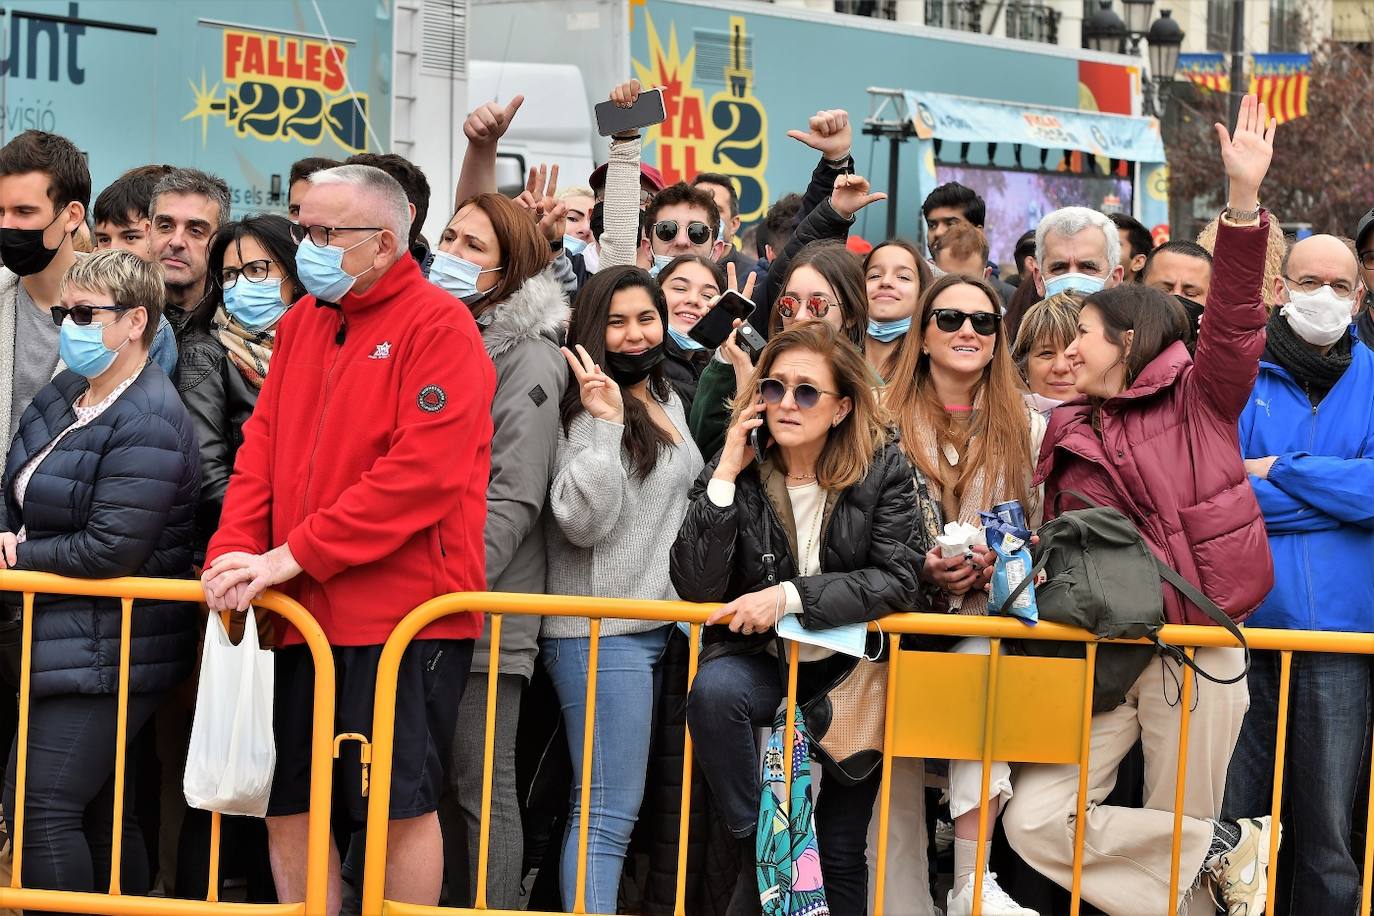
101	482
227	346
492	258
624	466
1157	438
690	284
823	282
832	503
895	275
958	402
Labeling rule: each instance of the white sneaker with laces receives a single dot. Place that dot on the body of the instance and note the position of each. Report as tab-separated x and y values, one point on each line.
996	902
1242	874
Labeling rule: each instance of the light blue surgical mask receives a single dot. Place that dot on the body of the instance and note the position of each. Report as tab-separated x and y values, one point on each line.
573	245
321	269
684	341
456	276
255	306
888	331
660	261
1083	283
82	348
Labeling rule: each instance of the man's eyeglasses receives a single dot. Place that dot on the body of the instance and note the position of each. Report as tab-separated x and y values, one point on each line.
698	233
951	320
83	314
1310	285
791	306
253	272
320	235
806	395
1367	259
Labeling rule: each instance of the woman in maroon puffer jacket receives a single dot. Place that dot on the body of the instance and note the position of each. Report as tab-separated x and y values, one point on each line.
1156	437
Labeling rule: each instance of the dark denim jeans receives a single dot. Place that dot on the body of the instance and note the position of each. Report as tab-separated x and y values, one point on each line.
731	697
69	796
1328	737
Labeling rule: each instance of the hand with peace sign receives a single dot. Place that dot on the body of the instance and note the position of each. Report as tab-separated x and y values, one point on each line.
851	195
539	198
599	392
739	360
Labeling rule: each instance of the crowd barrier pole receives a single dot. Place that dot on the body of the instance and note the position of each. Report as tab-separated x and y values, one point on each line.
114	902
1011	708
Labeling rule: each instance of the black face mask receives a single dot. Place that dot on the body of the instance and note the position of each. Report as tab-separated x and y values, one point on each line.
633	368
23	251
1194	312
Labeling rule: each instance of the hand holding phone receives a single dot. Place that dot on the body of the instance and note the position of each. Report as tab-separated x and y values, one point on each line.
714	328
756	442
644	110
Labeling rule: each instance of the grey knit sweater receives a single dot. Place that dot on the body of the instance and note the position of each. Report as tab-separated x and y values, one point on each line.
608	533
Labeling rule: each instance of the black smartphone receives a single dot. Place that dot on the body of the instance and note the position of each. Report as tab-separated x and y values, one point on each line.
647	110
756	442
714	327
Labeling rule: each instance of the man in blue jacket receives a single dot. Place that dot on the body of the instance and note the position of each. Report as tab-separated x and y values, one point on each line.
1308	438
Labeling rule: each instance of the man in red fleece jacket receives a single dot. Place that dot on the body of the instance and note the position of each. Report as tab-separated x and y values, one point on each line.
360	488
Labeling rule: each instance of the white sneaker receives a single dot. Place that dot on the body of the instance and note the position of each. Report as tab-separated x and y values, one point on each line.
996	902
1242	874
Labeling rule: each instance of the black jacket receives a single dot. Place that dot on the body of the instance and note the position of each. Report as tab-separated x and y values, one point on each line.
114	498
219	401
870	549
683	368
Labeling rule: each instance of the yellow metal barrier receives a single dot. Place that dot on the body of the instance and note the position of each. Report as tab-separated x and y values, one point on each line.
993	707
114	902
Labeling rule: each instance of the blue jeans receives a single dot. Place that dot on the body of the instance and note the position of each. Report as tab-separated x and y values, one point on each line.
1328	732
626	672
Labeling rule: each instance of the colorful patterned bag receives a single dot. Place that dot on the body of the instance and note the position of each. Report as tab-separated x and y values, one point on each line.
789	862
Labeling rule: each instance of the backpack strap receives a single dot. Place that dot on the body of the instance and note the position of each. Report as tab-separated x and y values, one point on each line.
1208	607
1026	583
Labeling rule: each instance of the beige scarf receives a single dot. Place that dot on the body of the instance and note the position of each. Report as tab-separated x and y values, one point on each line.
250	351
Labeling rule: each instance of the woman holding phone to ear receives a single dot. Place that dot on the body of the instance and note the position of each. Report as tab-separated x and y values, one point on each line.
834	505
624	465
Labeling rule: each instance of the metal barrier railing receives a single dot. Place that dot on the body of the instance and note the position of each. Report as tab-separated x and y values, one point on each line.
1006	708
114	901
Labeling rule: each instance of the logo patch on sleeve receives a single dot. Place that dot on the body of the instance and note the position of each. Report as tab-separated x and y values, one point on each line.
432	399
538	396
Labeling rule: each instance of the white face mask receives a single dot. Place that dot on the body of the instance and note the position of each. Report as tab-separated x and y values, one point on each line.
1320	318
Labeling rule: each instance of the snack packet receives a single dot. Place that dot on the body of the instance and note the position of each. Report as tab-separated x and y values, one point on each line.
1014	564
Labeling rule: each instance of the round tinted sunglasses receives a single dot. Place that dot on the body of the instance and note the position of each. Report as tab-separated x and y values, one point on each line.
806	395
791	306
698	233
951	320
82	314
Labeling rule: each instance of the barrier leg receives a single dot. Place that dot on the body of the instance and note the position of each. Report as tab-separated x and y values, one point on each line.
685	808
588	738
1185	716
885	787
21	755
488	752
980	861
1084	752
1280	752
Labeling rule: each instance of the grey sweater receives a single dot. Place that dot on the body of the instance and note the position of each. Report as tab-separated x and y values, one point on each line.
608	533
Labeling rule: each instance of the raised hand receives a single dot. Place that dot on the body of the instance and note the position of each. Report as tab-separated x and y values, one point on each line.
488	122
828	133
540	199
736	453
599	392
1246	154
851	195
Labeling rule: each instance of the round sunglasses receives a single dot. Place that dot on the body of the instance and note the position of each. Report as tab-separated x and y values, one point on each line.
806	395
698	233
951	320
791	306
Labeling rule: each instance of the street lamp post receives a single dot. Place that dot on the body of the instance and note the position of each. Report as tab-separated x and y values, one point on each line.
1165	38
1104	31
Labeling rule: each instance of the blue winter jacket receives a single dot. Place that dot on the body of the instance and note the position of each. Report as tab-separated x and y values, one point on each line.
1318	500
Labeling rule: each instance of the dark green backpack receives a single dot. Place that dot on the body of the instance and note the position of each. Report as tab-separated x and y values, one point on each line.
1101	576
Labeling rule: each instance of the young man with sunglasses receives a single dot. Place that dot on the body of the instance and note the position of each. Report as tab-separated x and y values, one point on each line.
681	219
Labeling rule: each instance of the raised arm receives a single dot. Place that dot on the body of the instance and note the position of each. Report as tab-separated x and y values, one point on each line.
620	233
484	128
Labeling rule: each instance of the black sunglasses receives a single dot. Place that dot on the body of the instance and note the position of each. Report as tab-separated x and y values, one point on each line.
951	320
83	314
698	233
806	395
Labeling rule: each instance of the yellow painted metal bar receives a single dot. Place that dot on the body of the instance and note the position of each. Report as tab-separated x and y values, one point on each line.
885	786
585	796
1368	850
1084	754
1280	751
685	808
21	756
788	731
985	780
126	626
212	880
1181	776
45	901
488	754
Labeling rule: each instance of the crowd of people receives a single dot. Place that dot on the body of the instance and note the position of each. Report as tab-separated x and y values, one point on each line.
332	405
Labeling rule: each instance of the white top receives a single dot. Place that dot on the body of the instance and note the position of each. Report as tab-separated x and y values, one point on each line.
84	417
808	510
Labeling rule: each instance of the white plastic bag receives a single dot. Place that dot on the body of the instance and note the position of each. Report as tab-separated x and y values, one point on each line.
232	755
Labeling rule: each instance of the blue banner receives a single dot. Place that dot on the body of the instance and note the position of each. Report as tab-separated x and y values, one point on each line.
968	120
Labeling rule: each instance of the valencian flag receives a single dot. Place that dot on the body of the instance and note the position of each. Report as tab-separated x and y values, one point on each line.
1207	70
1280	81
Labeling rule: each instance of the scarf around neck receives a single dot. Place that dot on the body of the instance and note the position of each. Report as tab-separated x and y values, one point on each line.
249	351
1315	372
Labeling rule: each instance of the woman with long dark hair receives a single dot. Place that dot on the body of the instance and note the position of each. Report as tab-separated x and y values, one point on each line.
895	276
624	466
